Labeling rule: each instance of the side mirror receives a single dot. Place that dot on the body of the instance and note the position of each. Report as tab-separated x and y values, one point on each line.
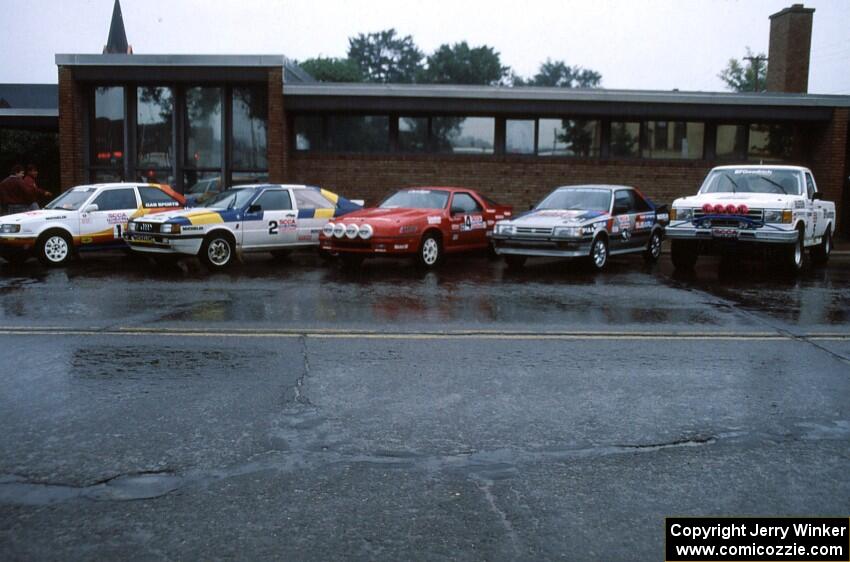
90	208
817	196
255	209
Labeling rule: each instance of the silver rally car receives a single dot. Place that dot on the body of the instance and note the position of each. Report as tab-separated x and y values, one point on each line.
584	221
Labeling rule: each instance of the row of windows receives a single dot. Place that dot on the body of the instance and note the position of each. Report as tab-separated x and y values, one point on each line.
155	120
546	137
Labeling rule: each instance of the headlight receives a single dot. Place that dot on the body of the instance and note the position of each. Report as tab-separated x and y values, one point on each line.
366	231
567	232
351	231
328	229
131	226
504	228
170	229
10	228
778	216
339	230
681	214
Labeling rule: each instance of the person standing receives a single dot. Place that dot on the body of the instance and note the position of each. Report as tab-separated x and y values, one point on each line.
10	188
34	192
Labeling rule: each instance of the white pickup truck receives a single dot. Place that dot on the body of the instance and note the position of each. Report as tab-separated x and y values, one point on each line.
741	208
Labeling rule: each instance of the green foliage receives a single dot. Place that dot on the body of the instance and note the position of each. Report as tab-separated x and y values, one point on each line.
385	57
558	74
461	64
333	69
740	75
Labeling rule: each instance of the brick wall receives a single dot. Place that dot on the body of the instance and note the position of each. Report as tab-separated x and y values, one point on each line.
516	181
277	149
828	157
71	149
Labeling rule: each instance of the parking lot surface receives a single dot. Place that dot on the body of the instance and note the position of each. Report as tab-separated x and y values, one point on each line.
291	409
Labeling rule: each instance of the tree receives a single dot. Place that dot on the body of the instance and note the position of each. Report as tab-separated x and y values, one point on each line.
746	75
462	64
332	69
385	57
558	74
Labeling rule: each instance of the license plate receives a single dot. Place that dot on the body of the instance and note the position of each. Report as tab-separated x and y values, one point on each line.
144	238
724	233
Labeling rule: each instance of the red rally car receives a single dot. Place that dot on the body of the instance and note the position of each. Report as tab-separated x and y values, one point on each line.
423	222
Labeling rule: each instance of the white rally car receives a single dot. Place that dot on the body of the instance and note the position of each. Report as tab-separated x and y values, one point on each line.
248	218
86	217
741	208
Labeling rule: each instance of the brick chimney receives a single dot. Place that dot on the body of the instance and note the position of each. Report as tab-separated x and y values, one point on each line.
790	49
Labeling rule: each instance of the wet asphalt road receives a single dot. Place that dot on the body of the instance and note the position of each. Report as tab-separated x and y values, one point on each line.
293	410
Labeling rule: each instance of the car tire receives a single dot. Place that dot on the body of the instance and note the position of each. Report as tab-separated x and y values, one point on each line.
218	251
794	256
684	254
598	256
54	248
430	252
820	253
653	248
514	262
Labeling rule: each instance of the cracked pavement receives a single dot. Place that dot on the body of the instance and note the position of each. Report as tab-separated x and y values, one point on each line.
294	411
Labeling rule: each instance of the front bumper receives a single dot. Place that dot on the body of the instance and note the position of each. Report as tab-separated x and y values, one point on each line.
15	243
164	243
767	234
377	245
548	247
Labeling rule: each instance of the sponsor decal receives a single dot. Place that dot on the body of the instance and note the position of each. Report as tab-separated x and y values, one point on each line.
161	204
589	229
86	240
663	216
644	221
557	213
455	227
454	236
490	210
799	204
63	217
400	247
491	223
755	172
305	237
116	218
500	217
288	224
192	228
435	220
472	222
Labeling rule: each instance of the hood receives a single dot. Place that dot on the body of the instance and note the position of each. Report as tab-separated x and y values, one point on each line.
752	200
37	216
557	217
162	217
378	216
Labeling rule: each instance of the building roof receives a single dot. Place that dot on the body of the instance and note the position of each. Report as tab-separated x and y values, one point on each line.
29	96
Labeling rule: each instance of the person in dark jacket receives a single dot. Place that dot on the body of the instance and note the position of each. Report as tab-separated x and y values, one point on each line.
18	194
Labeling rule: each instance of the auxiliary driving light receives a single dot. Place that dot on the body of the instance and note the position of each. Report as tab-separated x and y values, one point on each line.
328	229
351	231
366	231
339	230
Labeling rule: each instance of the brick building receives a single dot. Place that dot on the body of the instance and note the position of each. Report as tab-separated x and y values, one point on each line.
190	120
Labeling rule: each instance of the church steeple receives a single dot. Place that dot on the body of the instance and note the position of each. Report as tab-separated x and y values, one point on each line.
117	41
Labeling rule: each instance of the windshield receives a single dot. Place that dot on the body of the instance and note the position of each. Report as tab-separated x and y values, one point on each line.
231	199
417	199
71	200
577	199
201	186
753	180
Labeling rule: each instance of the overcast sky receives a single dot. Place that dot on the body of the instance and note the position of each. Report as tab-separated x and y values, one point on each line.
657	44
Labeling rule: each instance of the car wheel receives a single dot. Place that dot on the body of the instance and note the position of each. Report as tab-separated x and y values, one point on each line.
599	253
515	262
653	249
795	254
217	251
684	254
820	253
430	251
54	248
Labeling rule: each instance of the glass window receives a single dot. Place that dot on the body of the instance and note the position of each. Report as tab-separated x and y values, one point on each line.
155	176
153	198
200	183
577	199
623	202
413	134
463	135
311	199
154	114
624	139
108	134
203	131
810	185
358	133
464	203
770	143
568	137
72	199
673	139
116	199
731	141
417	199
519	136
308	132
274	200
245	178
250	124
231	199
752	180
640	203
